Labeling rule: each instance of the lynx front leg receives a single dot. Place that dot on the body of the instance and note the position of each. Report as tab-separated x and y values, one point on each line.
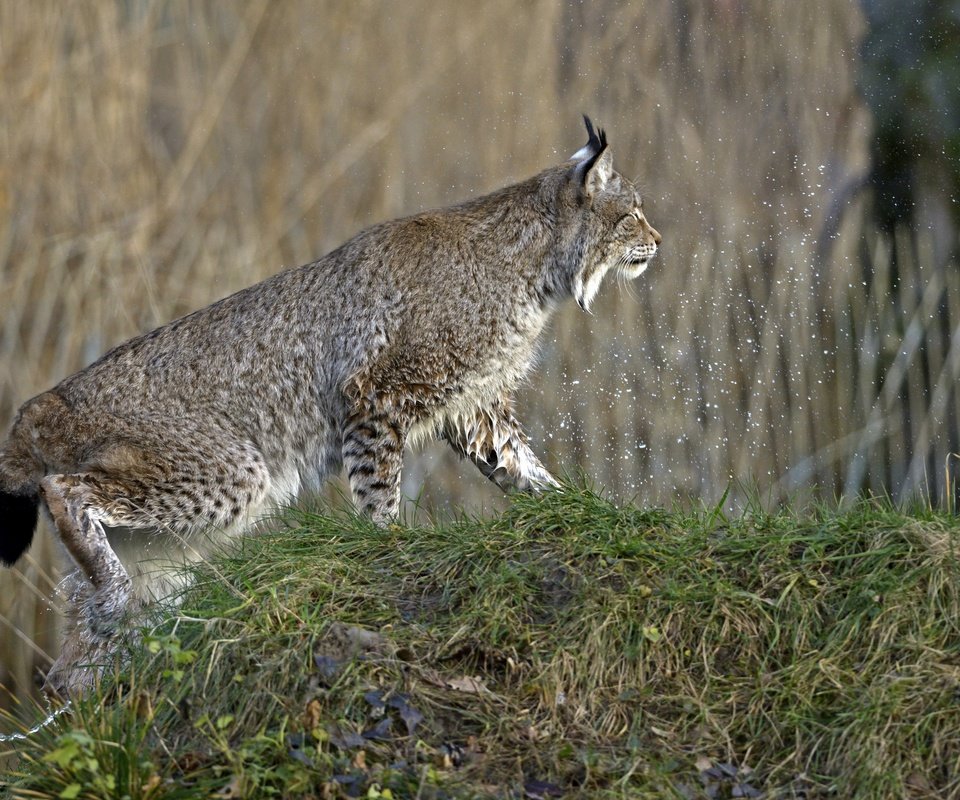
493	439
373	457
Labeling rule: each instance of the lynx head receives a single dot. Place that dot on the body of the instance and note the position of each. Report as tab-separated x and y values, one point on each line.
608	215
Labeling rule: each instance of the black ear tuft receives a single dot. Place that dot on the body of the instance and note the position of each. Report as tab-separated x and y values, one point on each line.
587	155
596	140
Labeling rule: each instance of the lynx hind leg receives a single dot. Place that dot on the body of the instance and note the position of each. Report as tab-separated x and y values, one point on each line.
79	505
373	445
493	439
84	654
157	494
159	498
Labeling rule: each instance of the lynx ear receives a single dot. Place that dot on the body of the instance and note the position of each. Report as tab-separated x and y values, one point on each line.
595	164
596	141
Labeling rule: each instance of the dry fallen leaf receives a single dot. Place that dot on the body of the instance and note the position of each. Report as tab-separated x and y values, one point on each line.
703	763
380	731
345	739
433	678
312	715
468	685
918	783
232	790
411	716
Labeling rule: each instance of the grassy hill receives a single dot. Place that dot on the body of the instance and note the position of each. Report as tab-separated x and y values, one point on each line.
567	648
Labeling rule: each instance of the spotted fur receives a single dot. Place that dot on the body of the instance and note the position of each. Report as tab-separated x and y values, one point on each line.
180	438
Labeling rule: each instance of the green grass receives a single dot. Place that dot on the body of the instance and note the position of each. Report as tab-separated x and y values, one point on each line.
568	645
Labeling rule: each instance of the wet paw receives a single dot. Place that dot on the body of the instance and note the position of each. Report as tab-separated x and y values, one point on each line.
107	608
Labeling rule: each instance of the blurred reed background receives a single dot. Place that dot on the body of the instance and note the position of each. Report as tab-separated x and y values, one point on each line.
156	156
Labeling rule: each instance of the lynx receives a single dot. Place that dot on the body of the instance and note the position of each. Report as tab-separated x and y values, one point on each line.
183	437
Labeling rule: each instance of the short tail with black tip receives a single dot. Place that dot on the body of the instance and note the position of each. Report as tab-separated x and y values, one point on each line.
20	475
18	520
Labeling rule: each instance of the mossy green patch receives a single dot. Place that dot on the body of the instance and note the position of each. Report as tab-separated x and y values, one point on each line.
568	647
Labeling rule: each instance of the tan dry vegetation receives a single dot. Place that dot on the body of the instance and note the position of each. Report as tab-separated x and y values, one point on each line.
157	156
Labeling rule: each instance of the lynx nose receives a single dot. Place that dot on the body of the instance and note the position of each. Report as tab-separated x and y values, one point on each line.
656	236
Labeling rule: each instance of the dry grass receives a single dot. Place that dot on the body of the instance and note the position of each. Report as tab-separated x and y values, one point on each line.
156	156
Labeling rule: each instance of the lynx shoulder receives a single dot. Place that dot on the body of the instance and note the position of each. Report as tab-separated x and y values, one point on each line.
419	325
